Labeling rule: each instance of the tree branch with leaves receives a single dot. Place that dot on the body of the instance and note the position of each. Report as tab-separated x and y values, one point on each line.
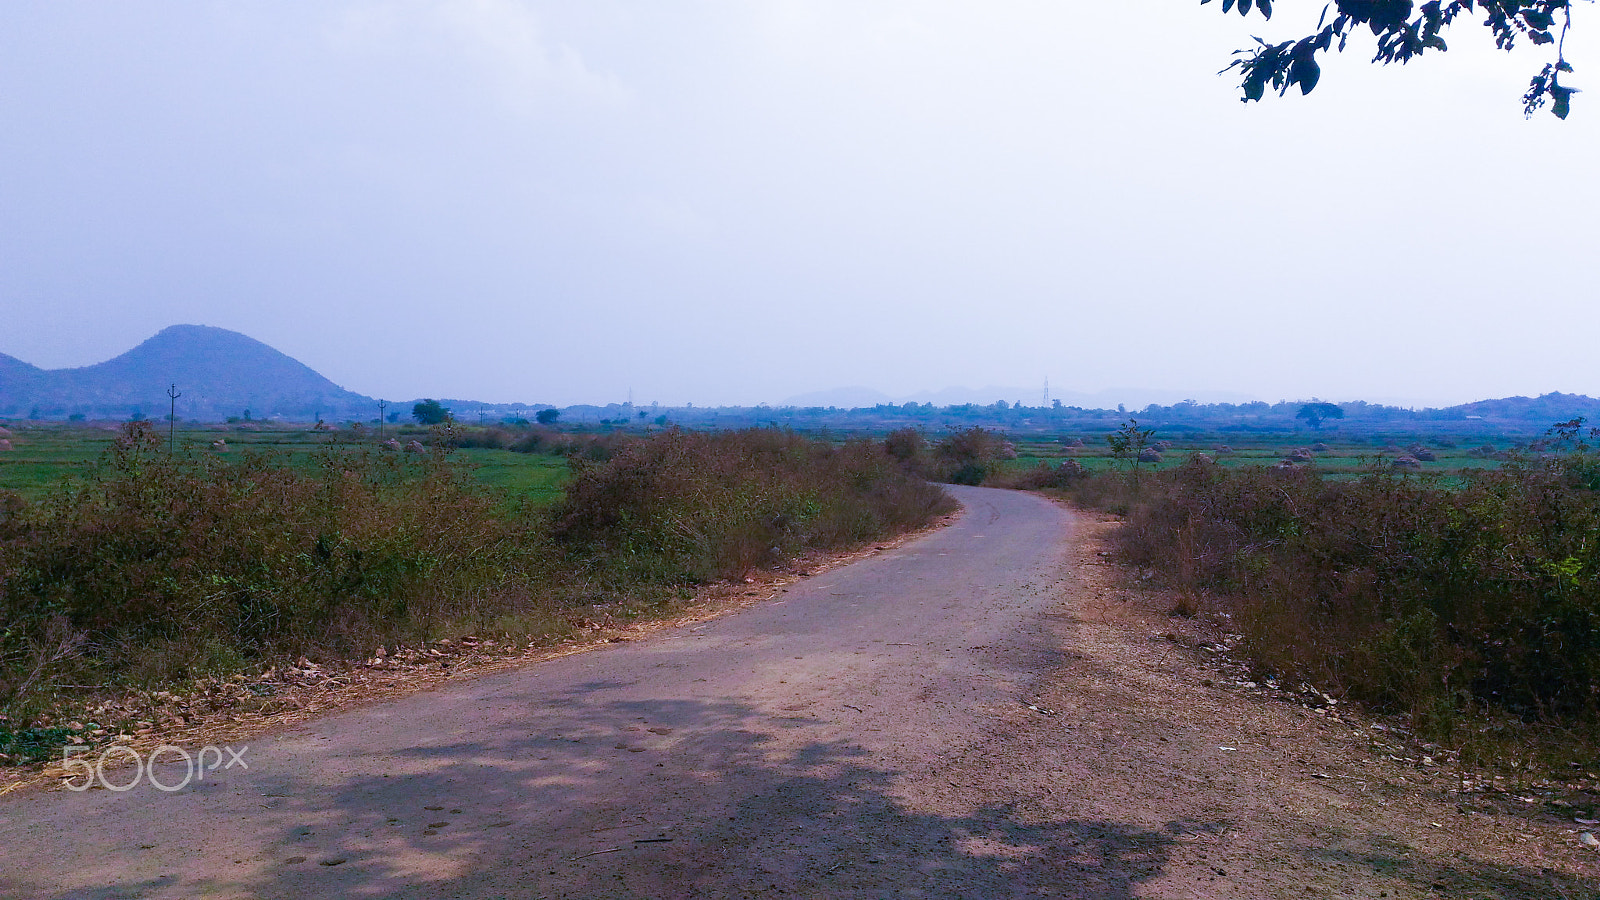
1404	31
1129	439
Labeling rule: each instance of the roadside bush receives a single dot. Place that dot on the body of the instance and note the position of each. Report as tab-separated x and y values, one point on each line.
909	447
705	506
160	567
1042	476
967	457
1410	594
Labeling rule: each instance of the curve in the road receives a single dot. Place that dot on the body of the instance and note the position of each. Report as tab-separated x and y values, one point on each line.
812	745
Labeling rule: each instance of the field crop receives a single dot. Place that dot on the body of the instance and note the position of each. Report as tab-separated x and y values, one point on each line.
44	456
1342	458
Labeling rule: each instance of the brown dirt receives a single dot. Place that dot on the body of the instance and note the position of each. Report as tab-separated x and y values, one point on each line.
1152	722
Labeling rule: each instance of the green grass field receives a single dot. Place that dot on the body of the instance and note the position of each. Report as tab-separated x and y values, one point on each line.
1342	458
42	458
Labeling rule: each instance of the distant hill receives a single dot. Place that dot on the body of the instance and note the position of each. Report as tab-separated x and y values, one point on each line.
221	373
18	375
1546	408
842	398
858	397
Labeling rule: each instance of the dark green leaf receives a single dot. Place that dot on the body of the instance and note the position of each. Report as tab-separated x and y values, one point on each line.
1537	19
1254	87
1310	74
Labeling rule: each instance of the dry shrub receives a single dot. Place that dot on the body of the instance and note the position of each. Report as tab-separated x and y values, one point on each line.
708	506
162	567
167	565
968	457
1411	595
1042	476
909	448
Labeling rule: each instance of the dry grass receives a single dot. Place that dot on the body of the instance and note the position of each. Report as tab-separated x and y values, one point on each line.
1472	607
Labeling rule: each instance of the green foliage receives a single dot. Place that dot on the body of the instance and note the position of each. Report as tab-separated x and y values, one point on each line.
968	457
704	506
158	555
1318	412
1129	439
32	744
547	416
969	473
430	412
1414	595
158	567
1404	31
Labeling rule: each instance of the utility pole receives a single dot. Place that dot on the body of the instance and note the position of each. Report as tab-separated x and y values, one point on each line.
382	405
172	416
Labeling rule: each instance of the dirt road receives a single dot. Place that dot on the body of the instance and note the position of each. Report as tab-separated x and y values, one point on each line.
975	714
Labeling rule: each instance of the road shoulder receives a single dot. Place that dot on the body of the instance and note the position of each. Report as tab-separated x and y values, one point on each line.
1150	723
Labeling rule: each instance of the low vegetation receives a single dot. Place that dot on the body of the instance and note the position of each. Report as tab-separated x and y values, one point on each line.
1458	588
152	567
1470	603
715	505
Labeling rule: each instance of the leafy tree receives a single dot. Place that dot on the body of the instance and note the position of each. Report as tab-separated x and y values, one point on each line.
547	416
1316	413
430	412
1405	30
967	456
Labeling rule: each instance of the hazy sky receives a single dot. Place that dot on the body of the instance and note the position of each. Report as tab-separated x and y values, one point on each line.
735	202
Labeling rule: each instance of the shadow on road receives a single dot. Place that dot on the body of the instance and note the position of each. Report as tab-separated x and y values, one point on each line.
715	802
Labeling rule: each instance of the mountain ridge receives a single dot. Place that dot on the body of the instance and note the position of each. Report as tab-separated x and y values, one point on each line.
223	374
220	373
